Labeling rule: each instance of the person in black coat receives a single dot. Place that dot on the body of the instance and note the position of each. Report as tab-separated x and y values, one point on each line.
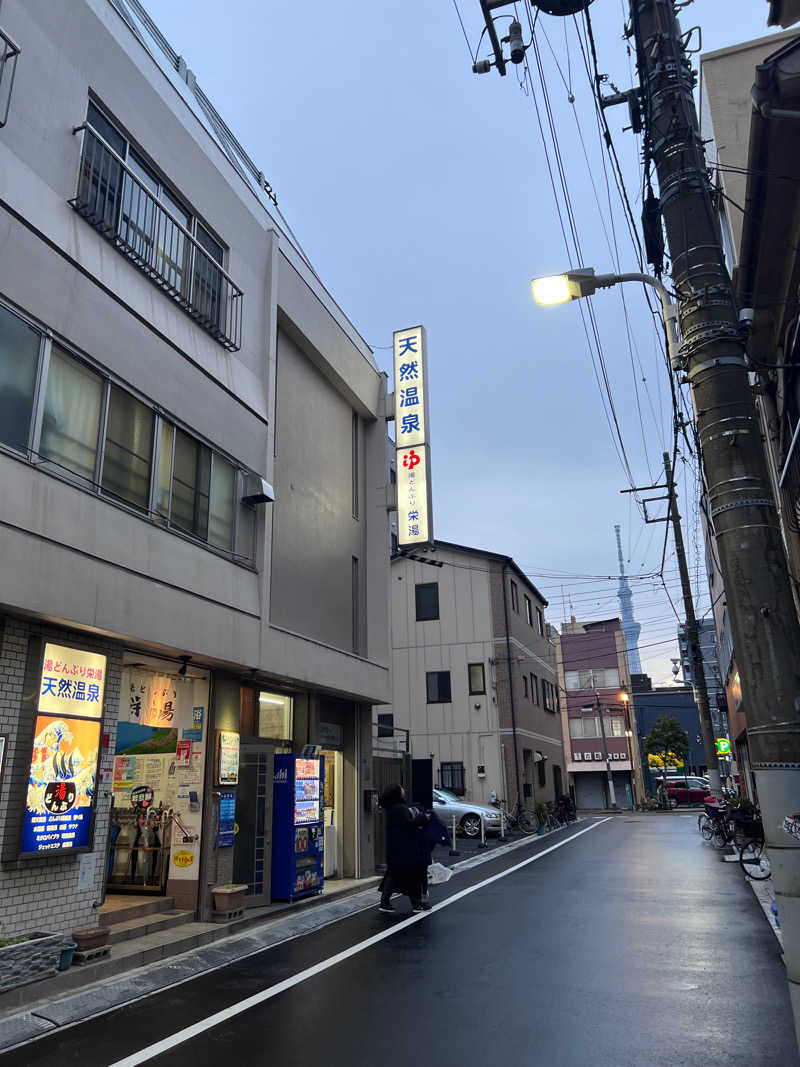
403	849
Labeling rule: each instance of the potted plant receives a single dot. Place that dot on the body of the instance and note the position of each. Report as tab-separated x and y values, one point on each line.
27	958
90	939
541	815
229	897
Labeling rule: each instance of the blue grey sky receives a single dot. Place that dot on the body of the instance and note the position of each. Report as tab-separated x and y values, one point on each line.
421	194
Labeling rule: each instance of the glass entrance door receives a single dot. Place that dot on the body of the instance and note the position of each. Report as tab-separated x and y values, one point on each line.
252	850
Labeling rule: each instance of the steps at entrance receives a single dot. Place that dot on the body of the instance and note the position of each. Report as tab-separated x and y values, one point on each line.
144	925
118	910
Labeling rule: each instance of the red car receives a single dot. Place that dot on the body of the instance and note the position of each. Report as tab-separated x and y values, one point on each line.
689	790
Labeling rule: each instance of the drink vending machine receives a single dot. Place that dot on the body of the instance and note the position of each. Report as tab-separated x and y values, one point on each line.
297	829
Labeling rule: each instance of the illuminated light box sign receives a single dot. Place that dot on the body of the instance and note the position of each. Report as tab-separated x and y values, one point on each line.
72	682
412	438
61	785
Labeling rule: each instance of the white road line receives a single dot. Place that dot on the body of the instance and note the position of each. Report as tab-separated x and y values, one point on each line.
219	1017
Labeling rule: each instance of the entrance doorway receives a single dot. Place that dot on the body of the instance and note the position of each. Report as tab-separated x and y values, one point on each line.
333	820
252	848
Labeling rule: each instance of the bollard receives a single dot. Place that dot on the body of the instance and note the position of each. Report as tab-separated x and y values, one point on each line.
502	823
483	833
453	850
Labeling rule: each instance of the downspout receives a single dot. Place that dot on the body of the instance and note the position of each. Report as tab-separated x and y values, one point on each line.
511	688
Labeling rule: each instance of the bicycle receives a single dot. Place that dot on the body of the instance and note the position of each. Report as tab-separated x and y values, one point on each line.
556	816
518	818
715	825
749	840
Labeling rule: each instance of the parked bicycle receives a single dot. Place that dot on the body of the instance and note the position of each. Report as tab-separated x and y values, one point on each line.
518	818
715	825
748	837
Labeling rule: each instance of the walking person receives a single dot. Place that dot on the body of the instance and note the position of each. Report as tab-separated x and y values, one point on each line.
403	850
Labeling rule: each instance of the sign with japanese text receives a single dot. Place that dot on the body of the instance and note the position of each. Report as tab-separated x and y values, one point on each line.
412	439
61	785
413	489
227	757
410	396
72	682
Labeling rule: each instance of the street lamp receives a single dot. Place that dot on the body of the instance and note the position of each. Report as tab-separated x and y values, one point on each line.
576	284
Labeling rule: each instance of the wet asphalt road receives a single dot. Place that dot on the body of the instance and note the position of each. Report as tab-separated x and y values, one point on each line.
632	945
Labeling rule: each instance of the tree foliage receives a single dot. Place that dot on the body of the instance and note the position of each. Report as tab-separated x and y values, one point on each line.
667	739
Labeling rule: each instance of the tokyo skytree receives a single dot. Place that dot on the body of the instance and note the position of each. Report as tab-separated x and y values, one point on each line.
630	626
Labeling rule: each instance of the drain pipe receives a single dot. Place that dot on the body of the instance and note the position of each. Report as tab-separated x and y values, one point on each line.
511	687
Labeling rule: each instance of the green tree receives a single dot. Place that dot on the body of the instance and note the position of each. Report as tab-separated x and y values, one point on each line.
669	741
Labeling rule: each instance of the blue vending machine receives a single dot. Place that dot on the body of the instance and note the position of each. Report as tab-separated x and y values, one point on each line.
297	830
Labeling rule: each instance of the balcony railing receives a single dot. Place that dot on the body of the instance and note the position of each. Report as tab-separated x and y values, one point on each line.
8	68
114	201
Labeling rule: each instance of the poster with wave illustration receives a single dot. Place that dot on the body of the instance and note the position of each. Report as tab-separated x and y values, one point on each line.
61	785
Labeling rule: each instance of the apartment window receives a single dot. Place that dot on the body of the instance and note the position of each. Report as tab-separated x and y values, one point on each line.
541	768
540	622
592	678
615	725
128	452
524	685
534	689
514	597
386	724
477	679
92	428
452	776
591	726
548	695
71	422
356	607
19	364
427	597
576	728
438	687
355	464
125	198
528	614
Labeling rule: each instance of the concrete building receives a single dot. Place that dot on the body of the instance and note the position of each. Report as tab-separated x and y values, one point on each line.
473	675
598	714
169	364
749	94
675	702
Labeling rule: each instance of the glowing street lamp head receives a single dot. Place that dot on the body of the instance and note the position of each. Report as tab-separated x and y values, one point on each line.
554	290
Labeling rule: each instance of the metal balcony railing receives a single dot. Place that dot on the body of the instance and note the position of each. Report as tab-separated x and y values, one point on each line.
9	53
114	201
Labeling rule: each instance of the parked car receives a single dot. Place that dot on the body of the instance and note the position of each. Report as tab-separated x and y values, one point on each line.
468	814
688	790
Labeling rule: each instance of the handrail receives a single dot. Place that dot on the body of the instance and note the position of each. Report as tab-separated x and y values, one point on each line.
186	270
161	207
10	53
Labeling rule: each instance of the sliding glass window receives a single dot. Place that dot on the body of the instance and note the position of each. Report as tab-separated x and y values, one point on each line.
128	452
71	421
19	362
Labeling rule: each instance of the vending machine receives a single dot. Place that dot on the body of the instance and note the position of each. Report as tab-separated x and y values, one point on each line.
297	830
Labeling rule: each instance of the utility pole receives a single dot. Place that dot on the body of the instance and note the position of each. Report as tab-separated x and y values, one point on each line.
692	632
693	637
612	796
764	622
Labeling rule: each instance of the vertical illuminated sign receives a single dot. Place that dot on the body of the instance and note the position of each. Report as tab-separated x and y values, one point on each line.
59	802
412	441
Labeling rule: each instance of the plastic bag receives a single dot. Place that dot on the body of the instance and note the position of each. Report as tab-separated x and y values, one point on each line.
438	874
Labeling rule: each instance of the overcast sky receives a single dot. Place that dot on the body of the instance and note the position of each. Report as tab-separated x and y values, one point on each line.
421	194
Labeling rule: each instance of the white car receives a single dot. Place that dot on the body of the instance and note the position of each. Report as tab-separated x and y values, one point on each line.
468	815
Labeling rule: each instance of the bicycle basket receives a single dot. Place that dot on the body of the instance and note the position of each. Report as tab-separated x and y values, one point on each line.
752	827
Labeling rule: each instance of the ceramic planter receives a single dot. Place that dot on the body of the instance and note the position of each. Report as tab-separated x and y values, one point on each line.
86	940
229	897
